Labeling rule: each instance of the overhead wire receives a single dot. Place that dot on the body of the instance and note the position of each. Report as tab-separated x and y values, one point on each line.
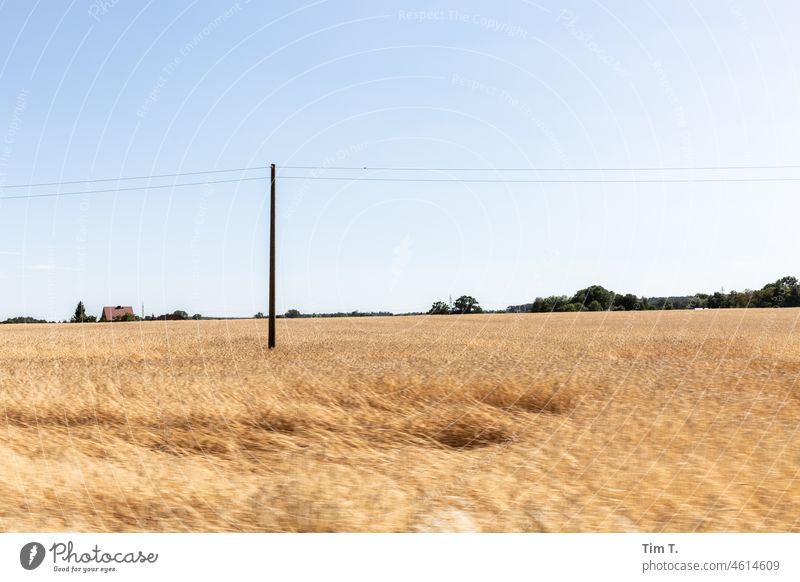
547	169
540	181
128	178
487	180
130	189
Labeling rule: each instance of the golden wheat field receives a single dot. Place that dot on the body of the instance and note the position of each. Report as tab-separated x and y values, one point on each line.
623	421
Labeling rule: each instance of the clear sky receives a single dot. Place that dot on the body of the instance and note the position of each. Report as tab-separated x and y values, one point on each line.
98	89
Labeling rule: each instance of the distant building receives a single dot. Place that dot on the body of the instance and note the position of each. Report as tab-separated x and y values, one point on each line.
115	313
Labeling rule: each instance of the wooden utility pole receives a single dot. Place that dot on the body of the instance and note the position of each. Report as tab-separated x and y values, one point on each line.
271	337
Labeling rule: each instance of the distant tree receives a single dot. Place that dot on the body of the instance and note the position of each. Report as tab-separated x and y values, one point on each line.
259	315
197	316
538	305
439	308
80	314
126	317
699	301
594	293
548	304
749	298
627	302
466	304
23	320
785	292
789	288
595	306
718	300
292	314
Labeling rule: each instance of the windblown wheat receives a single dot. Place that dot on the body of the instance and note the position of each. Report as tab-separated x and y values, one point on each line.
676	421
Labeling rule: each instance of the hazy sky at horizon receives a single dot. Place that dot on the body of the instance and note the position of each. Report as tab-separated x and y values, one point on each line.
105	89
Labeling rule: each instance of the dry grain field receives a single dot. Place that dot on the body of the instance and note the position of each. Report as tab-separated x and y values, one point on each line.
623	421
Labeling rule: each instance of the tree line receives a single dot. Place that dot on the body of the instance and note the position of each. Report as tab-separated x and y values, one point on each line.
80	316
785	292
295	314
464	304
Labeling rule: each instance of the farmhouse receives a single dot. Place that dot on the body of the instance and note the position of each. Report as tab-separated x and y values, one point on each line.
116	313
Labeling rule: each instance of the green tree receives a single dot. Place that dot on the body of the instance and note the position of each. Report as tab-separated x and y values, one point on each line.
718	300
259	315
548	304
595	306
23	320
594	293
785	292
439	308
292	313
80	314
744	299
538	305
466	304
627	302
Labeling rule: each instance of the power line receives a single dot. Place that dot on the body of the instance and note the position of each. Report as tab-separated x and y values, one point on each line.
367	179
537	181
610	169
107	191
404	169
127	178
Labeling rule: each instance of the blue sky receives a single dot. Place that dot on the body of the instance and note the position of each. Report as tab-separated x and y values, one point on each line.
106	89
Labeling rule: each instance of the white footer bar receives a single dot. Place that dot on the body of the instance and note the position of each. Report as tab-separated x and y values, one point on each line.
382	557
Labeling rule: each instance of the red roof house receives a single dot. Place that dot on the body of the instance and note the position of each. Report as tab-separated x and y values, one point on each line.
114	313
